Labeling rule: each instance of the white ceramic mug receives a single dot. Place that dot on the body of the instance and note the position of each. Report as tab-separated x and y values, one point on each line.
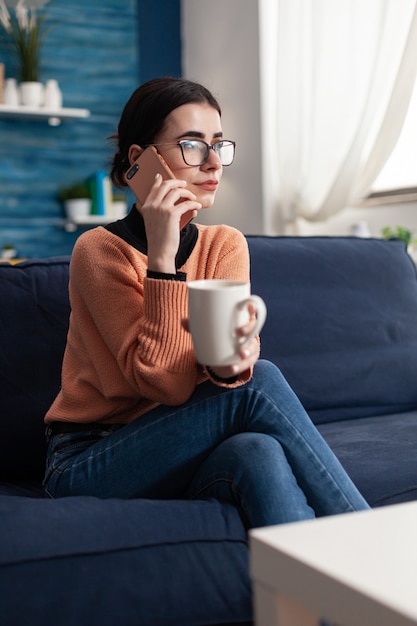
216	309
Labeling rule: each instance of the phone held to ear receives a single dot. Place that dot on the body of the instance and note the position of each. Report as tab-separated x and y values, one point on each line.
141	176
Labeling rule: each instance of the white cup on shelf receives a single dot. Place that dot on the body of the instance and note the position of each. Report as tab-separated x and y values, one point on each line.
52	95
11	92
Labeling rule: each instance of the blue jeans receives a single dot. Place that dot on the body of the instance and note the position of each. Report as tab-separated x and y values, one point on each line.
253	445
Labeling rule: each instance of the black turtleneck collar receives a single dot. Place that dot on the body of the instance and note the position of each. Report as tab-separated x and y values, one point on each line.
132	230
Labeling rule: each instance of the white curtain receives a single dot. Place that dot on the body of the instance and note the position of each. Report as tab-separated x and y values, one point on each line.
336	81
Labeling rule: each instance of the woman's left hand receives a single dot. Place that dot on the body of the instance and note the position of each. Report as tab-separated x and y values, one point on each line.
249	353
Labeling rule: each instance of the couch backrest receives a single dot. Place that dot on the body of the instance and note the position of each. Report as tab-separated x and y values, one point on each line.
342	322
342	326
34	313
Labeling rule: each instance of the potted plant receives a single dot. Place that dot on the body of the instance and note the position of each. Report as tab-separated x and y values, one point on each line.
76	199
399	232
403	234
25	30
8	251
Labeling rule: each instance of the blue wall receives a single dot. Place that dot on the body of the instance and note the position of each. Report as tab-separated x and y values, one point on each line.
95	50
160	38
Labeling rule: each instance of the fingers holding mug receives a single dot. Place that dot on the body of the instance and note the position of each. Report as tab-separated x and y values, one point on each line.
256	309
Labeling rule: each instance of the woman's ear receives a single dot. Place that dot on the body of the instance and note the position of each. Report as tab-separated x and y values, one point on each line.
134	152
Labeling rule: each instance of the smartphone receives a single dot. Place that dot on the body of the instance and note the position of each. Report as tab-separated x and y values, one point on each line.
141	176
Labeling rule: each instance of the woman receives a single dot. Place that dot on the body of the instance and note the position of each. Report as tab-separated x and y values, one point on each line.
137	416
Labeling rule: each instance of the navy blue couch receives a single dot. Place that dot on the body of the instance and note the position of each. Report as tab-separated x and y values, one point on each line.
342	326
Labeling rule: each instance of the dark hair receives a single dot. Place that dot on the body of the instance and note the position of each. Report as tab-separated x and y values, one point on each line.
144	115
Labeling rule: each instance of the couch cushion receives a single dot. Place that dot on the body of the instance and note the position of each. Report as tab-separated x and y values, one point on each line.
379	454
34	317
342	322
124	562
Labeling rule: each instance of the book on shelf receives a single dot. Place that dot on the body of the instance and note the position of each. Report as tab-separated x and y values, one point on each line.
101	193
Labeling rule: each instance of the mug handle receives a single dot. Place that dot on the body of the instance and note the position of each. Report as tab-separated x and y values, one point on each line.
260	307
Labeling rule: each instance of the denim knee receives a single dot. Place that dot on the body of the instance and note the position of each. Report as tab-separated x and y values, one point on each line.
265	373
268	379
246	455
251	470
246	448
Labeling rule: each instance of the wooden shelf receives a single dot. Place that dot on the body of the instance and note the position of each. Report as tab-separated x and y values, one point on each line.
53	116
12	261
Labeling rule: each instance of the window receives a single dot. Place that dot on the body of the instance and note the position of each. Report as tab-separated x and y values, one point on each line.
399	175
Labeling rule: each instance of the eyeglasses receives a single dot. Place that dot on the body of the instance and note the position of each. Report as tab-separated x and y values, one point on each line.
196	152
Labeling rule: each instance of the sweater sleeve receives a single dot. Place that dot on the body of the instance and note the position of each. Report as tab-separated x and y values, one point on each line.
125	323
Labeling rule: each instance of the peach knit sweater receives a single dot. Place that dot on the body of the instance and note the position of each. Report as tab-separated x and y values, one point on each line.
126	349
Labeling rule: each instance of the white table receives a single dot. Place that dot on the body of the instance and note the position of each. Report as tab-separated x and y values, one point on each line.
358	569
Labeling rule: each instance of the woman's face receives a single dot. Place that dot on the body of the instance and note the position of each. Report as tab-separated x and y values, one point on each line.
193	121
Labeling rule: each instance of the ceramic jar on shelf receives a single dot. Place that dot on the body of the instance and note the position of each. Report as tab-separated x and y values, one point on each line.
31	93
52	95
11	94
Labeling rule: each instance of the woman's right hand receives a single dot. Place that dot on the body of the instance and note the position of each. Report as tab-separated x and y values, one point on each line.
163	210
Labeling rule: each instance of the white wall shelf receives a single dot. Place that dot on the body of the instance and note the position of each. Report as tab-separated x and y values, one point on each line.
72	224
53	116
